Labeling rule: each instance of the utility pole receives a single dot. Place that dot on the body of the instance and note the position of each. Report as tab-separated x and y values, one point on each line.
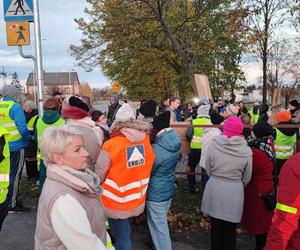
38	55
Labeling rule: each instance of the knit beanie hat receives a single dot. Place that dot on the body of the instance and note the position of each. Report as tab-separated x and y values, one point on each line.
76	102
233	126
203	111
161	121
10	91
283	116
216	118
125	113
294	103
232	109
31	104
262	129
148	108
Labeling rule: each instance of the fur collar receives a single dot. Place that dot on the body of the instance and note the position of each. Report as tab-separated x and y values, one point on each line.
74	113
133	124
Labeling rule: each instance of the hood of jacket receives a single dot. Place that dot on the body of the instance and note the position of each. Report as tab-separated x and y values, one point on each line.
50	116
287	131
134	130
75	113
236	146
168	139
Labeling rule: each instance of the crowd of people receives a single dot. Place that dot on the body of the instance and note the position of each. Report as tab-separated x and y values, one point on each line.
97	171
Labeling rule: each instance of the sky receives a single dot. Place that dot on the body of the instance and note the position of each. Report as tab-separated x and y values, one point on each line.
58	31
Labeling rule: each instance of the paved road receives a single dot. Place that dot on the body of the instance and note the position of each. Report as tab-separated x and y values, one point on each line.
18	234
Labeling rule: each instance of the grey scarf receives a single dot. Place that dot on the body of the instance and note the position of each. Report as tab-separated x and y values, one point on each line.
90	178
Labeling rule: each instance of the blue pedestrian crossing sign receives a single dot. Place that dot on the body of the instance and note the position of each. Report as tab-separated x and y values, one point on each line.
18	10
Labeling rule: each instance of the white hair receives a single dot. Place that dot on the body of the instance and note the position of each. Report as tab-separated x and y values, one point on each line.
55	139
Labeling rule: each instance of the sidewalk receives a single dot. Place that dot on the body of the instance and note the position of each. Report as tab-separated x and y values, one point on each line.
18	234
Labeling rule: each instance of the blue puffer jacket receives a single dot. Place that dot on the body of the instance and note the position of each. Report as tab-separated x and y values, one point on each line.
162	181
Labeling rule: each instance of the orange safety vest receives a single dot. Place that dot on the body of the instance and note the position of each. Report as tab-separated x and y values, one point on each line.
127	180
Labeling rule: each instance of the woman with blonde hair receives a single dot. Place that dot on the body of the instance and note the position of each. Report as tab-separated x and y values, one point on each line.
70	215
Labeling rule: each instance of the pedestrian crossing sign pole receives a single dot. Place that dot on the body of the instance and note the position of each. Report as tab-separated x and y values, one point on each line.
18	10
17	33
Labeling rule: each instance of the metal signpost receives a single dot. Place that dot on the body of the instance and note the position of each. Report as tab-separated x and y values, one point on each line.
38	55
18	14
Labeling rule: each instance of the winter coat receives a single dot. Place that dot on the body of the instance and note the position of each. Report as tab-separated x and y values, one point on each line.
91	133
284	232
31	149
167	151
16	113
111	114
256	218
229	163
208	135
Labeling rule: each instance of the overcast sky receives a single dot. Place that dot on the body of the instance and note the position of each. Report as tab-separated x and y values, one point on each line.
58	31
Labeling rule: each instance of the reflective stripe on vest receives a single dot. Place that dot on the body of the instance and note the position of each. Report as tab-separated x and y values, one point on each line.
286	208
127	198
196	142
4	166
7	122
4	177
127	179
127	187
284	145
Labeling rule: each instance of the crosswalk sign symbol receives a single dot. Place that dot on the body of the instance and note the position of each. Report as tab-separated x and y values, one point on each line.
18	10
18	33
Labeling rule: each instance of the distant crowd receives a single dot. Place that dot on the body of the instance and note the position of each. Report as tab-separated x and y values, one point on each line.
97	171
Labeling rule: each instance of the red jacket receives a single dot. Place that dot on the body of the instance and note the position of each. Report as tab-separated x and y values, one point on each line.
285	229
256	218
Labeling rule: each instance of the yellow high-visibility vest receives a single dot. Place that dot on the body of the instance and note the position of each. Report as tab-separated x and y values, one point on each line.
4	166
8	123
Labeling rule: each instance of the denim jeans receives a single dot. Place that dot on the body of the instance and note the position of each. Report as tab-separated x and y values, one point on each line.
158	225
121	230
